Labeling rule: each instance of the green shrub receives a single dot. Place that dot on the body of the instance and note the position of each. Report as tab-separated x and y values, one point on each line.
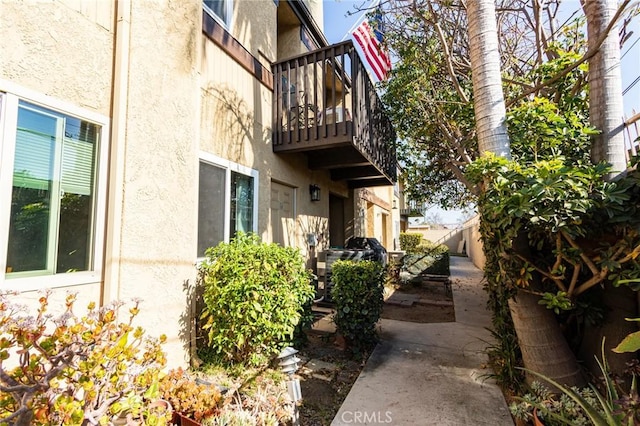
437	256
428	247
409	241
358	295
253	296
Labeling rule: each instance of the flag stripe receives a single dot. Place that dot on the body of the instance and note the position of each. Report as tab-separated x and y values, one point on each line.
376	57
371	49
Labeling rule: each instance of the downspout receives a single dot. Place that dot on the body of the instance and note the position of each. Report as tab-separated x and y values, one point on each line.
117	151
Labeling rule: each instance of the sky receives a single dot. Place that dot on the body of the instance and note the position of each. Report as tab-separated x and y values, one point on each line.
337	25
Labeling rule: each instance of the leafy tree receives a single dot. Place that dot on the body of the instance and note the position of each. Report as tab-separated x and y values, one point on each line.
430	95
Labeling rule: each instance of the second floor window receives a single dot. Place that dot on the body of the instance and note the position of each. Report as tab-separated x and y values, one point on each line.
220	9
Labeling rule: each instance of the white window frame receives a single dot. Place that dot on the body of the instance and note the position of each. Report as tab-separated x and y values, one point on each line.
228	6
229	166
10	96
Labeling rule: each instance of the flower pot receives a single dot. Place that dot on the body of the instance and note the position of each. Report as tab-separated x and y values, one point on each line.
182	420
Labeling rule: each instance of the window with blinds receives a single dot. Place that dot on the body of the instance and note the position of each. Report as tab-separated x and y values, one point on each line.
53	193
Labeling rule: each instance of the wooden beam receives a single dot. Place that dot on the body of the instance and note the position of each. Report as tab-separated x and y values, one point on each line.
352	173
365	183
236	50
337	158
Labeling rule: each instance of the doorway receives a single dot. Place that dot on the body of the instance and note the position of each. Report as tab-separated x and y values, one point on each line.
336	221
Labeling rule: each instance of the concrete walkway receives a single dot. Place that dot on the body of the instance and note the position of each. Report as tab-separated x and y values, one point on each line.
431	374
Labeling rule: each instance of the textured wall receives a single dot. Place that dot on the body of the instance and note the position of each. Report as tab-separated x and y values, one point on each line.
156	243
254	25
473	245
56	50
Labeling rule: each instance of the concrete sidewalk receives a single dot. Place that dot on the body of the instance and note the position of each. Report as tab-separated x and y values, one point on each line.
431	374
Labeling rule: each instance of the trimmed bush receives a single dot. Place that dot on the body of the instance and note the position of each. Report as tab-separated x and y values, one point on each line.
358	295
409	241
428	247
254	294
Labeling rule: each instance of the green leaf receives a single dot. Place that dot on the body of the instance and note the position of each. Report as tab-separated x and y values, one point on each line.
631	343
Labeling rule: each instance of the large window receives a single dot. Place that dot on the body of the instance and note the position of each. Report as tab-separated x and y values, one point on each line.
50	200
222	10
227	201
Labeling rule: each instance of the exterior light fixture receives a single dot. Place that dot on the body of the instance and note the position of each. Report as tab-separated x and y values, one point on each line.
395	207
288	362
314	191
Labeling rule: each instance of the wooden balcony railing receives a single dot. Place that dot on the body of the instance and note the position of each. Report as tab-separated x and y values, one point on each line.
326	106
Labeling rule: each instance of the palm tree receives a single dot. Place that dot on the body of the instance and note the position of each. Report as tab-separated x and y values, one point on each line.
605	85
544	348
489	108
606	115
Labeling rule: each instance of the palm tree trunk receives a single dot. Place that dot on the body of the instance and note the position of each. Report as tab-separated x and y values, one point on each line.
488	99
605	86
544	348
606	115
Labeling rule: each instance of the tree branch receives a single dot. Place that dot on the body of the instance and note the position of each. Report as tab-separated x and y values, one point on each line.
590	53
574	278
596	279
445	49
592	267
556	280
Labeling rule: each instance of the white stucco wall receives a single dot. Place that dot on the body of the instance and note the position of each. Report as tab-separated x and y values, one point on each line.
153	106
153	245
54	49
473	245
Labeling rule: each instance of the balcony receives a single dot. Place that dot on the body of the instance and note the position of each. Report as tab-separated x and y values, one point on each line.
326	107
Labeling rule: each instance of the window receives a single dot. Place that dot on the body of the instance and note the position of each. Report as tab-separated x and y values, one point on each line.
220	9
52	202
211	208
227	201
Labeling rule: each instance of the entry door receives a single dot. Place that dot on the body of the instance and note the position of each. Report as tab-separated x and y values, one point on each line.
283	224
336	221
385	231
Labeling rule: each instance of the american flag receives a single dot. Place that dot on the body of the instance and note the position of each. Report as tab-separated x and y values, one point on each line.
369	36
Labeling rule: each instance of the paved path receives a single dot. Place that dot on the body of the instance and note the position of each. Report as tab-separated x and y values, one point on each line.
431	374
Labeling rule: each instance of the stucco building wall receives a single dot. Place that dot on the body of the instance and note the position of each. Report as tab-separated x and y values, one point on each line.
151	231
41	51
236	124
473	244
154	247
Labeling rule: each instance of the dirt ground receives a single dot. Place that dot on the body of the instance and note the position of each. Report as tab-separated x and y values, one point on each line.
324	389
